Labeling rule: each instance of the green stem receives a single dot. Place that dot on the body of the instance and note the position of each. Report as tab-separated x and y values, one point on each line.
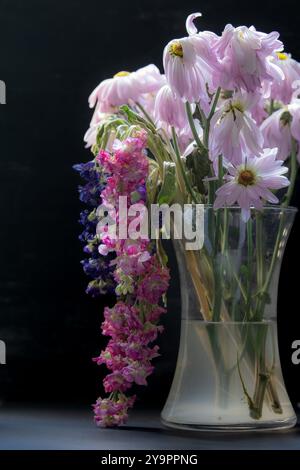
217	302
202	117
214	105
240	285
220	171
193	127
275	402
211	191
211	184
141	108
155	151
177	152
211	113
225	231
259	249
249	266
217	263
262	375
259	263
210	215
293	174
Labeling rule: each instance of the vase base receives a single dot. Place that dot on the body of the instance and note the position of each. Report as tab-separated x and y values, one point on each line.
277	425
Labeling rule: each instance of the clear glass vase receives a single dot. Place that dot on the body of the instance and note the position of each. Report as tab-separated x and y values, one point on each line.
228	374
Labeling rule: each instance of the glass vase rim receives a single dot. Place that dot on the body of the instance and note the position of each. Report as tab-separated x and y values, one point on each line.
232	322
268	207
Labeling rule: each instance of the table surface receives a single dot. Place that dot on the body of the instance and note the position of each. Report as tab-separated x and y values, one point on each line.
73	429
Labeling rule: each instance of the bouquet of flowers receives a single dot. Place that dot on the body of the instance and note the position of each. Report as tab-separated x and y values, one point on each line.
220	127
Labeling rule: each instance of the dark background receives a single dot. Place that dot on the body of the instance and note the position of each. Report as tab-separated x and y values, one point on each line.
52	55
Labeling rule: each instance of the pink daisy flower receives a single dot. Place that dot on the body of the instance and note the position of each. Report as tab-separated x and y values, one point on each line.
250	183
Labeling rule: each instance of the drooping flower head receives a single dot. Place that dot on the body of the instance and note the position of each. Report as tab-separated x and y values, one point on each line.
140	281
276	131
125	87
282	90
169	110
243	55
189	64
233	130
280	127
250	183
183	71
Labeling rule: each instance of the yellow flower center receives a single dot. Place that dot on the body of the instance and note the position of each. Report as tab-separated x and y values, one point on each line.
238	106
122	74
232	107
246	178
176	49
281	55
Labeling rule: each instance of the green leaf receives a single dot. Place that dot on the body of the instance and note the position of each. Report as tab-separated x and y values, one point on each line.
198	162
152	181
168	189
264	297
132	116
202	162
244	270
104	130
128	112
135	118
162	255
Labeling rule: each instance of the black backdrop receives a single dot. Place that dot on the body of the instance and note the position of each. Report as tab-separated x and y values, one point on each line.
52	54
